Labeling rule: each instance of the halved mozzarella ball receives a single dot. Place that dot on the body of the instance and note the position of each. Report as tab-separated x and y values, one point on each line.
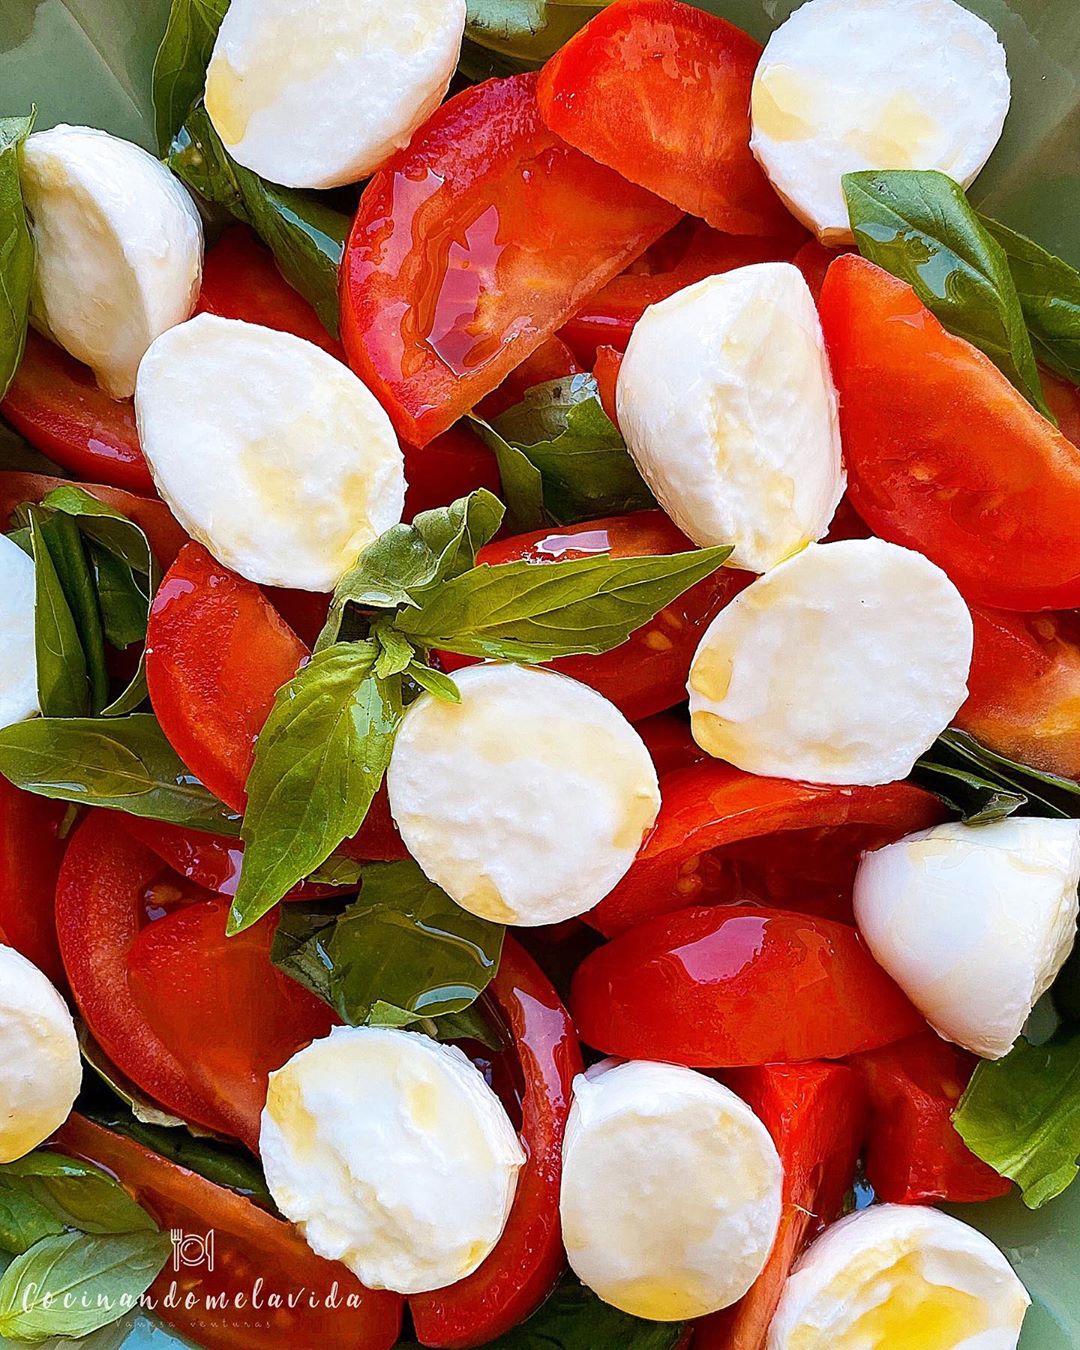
846	85
40	1064
527	801
900	1277
315	93
119	249
974	922
18	654
729	410
671	1190
839	666
268	450
392	1155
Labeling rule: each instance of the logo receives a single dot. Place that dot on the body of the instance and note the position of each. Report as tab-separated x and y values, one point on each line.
192	1250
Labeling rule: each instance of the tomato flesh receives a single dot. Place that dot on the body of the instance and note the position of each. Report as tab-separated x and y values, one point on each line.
451	466
31	850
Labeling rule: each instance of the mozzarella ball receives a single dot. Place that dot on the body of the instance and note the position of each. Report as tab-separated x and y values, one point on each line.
904	1277
847	85
729	411
671	1190
392	1155
528	800
40	1065
119	249
840	666
267	450
18	654
315	93
974	922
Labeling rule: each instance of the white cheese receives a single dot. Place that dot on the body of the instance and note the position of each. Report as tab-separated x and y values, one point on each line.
18	655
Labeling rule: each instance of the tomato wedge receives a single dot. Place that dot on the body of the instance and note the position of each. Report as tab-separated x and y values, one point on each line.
997	509
473	246
732	987
668	740
606	369
253	1251
451	466
523	1268
56	404
31	849
814	260
605	89
724	835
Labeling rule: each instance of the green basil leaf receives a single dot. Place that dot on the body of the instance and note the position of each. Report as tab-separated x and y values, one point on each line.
181	61
1021	1114
434	681
24	1221
122	601
529	31
123	763
955	758
16	250
62	667
975	799
101	1276
109	527
404	944
306	237
319	761
522	611
17	455
919	226
1049	291
77	1194
395	651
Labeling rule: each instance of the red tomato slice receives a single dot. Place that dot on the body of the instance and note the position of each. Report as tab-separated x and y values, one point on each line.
813	260
669	742
648	672
1064	400
56	404
472	247
915	1155
732	987
997	506
251	1249
31	849
660	91
724	835
1024	688
451	466
523	1268
552	361
606	369
816	1114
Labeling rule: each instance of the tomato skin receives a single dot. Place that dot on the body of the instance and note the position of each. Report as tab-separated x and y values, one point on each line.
601	92
31	850
525	1265
1024	688
451	466
472	247
606	369
734	987
814	260
998	510
250	1245
669	742
713	806
816	1114
915	1155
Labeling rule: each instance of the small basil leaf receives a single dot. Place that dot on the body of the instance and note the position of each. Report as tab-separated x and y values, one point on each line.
62	669
959	755
919	226
181	61
395	651
24	1221
975	799
16	250
111	529
123	763
306	237
122	601
520	611
77	1194
434	681
319	761
528	31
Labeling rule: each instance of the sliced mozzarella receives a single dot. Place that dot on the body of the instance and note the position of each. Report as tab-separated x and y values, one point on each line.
729	410
974	923
846	85
900	1277
119	248
392	1154
315	93
40	1065
268	450
527	801
839	666
671	1190
18	655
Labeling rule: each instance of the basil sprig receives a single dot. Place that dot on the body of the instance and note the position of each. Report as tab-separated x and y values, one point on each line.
983	786
16	250
1049	292
181	61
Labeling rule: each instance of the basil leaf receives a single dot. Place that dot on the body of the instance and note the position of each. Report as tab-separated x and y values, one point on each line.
529	31
522	611
19	456
62	669
306	237
403	943
1021	1114
181	61
16	250
434	682
919	226
975	799
76	1194
319	761
123	763
101	1277
24	1221
1049	292
997	785
122	602
395	651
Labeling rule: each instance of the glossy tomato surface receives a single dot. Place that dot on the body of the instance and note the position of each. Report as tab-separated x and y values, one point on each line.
31	849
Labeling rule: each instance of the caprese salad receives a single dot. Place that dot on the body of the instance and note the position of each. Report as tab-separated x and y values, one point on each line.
539	688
